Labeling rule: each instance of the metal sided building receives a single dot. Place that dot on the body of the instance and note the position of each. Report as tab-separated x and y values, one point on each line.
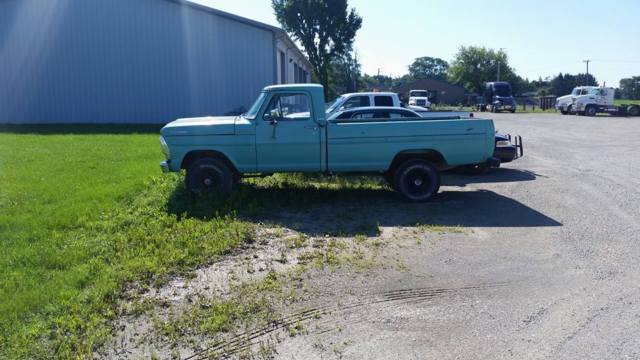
135	61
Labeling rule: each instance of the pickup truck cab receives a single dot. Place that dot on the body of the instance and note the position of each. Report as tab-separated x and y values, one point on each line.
363	99
286	130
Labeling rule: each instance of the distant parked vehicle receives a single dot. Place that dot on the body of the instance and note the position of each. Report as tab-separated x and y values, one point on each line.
374	112
498	97
564	104
363	99
419	98
600	100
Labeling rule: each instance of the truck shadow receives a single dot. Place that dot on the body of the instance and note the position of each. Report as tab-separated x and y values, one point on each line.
500	175
353	211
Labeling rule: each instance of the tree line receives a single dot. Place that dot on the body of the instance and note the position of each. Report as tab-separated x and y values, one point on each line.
327	29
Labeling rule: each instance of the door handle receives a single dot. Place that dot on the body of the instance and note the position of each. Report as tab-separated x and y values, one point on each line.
311	127
469	129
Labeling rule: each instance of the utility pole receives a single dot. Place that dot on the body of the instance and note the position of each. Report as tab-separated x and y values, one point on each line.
587	62
499	62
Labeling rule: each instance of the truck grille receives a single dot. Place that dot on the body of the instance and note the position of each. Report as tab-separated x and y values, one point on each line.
421	102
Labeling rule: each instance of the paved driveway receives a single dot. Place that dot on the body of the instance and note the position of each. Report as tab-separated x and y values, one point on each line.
549	267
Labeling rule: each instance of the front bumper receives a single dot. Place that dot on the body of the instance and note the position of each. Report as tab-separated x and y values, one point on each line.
165	166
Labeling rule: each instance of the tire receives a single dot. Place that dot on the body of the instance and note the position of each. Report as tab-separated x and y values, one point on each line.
417	180
591	110
208	175
513	111
633	110
494	109
564	112
569	109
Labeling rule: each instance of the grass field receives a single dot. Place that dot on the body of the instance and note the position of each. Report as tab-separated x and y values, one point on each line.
81	215
84	211
620	102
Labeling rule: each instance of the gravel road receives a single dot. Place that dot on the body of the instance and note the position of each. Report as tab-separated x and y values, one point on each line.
549	266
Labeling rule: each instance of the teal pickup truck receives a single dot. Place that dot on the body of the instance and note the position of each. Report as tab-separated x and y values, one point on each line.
286	130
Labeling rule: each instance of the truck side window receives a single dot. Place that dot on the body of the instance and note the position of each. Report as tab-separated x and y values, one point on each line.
291	106
383	100
357	101
403	114
363	115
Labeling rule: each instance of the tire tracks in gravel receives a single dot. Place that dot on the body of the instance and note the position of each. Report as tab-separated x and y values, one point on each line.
247	339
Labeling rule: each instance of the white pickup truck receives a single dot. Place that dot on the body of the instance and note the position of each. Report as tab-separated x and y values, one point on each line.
385	99
363	99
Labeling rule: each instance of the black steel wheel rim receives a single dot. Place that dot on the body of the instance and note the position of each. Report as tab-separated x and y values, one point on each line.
417	182
208	179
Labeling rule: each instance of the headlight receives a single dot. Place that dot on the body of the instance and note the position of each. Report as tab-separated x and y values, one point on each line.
503	143
165	148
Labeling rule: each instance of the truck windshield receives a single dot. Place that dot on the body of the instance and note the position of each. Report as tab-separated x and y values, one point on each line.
335	104
502	90
419	94
253	111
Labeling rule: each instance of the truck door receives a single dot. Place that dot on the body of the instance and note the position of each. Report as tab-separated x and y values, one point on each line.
287	137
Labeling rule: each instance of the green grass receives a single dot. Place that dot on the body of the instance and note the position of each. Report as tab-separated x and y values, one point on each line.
82	215
627	102
84	212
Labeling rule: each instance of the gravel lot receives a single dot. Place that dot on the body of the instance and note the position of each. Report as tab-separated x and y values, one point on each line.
549	267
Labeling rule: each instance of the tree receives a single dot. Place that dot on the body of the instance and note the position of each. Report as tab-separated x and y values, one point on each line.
325	29
630	88
344	76
473	66
427	67
564	84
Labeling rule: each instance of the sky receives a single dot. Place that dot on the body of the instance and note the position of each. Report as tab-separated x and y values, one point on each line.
542	38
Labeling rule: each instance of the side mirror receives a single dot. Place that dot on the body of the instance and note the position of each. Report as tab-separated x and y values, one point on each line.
273	116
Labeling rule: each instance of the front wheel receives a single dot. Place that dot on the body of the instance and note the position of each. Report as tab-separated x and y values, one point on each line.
208	175
590	111
417	180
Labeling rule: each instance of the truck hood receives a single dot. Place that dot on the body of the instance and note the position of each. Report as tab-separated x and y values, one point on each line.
565	98
223	125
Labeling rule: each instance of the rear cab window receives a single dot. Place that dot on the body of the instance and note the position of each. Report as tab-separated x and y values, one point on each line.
383	100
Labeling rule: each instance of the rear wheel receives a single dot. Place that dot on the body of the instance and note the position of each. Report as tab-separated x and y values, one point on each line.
208	175
591	110
633	110
417	180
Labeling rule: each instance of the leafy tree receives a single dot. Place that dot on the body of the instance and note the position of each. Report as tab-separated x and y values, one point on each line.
429	68
326	30
630	88
344	76
473	66
564	84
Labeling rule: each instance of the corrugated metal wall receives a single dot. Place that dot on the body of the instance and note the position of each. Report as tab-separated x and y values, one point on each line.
126	61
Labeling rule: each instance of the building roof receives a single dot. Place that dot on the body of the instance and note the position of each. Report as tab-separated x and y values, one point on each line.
279	33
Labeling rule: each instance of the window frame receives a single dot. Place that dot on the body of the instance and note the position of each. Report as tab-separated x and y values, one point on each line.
283	94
